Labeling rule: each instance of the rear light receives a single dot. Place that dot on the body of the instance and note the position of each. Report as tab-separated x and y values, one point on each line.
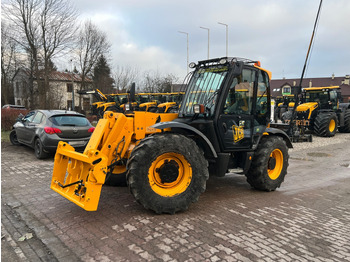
52	130
91	129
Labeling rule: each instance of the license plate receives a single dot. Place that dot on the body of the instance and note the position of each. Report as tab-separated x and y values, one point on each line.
76	143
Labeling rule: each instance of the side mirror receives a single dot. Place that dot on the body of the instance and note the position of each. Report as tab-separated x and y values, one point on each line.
238	68
20	118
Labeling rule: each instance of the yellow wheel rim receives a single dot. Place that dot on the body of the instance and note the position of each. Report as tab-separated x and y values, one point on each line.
170	174
331	125
275	164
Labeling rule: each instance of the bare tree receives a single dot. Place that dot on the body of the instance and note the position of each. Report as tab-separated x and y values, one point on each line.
124	76
154	82
92	43
9	63
44	29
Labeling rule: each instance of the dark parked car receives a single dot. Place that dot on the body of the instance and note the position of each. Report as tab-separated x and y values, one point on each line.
43	129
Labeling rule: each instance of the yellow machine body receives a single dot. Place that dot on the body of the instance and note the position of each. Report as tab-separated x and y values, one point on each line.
307	106
79	176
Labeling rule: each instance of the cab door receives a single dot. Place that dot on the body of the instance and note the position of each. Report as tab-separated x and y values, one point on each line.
235	122
246	111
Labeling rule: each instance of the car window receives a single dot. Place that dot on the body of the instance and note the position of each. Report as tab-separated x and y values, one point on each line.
38	118
66	120
29	117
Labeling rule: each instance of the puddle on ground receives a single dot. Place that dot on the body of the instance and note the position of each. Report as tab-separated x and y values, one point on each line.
317	154
302	159
346	165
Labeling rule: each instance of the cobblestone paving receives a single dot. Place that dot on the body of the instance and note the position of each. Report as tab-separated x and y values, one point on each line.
231	222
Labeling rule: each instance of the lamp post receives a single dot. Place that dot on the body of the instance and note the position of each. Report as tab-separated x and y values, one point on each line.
73	98
205	28
187	48
226	37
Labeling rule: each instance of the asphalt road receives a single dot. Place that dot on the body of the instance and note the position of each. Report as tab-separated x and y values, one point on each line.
307	219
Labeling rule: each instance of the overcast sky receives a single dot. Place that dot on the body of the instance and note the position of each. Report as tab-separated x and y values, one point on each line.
144	34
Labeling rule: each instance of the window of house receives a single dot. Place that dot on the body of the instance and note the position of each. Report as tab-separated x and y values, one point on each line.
17	89
86	103
69	87
286	90
69	104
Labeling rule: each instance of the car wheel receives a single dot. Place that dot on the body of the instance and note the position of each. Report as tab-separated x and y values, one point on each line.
39	150
13	138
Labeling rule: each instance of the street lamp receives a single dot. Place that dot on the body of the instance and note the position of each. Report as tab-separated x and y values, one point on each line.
208	37
226	37
72	75
187	48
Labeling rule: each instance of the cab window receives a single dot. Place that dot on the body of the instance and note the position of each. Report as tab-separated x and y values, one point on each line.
261	109
240	95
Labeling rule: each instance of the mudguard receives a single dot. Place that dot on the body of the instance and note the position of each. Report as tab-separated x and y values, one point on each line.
164	125
278	132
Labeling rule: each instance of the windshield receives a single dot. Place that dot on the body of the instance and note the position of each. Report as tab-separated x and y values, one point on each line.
203	88
316	96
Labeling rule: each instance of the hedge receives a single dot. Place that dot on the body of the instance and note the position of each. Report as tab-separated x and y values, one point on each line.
9	116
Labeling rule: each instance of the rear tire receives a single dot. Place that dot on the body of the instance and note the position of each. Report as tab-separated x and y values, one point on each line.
269	164
167	172
39	149
116	180
287	116
346	127
326	124
13	138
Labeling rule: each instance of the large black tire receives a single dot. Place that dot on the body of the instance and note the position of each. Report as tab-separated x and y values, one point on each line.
269	164
346	127
287	116
39	149
116	180
167	172
13	138
325	124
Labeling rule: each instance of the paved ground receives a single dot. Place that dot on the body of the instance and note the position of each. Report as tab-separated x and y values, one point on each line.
307	219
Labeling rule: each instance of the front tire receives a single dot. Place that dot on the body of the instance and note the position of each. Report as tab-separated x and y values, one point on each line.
118	180
326	124
13	138
269	164
167	172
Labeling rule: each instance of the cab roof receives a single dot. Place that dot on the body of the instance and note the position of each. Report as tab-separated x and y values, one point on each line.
320	88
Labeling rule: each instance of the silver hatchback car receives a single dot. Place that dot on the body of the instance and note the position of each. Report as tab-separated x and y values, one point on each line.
43	129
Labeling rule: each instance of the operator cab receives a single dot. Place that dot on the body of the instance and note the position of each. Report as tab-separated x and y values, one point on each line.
228	100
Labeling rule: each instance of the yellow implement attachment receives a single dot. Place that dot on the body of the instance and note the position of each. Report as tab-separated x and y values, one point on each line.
79	177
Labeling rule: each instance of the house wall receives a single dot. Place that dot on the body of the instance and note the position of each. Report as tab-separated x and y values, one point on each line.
59	97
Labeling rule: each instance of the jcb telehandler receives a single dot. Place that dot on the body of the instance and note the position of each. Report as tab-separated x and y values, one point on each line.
322	112
167	157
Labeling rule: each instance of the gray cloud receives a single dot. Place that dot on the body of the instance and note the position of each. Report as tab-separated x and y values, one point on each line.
144	34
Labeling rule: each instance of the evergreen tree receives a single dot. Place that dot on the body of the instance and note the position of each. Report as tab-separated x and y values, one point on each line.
102	76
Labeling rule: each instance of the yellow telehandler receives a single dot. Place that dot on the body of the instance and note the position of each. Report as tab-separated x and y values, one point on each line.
167	157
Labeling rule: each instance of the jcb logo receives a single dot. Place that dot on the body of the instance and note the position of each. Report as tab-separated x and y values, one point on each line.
238	133
303	122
